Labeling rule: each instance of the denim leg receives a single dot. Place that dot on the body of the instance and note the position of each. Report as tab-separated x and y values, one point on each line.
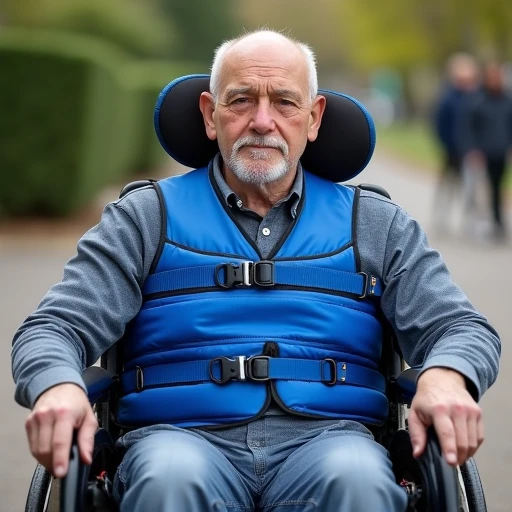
177	470
336	471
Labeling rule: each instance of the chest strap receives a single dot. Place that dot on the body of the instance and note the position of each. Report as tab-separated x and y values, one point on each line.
251	369
263	274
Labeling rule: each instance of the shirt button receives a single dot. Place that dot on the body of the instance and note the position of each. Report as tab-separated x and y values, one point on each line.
265	231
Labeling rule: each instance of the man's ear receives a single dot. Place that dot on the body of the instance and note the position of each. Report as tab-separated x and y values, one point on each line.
315	118
207	107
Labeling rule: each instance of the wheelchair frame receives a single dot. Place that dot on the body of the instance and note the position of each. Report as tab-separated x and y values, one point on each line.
429	481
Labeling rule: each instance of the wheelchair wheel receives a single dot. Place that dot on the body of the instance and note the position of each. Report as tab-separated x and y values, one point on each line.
39	492
473	487
430	482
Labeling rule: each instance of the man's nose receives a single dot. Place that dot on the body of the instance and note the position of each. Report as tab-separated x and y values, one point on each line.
262	118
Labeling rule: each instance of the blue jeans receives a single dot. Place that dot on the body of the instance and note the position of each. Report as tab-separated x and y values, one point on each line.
276	463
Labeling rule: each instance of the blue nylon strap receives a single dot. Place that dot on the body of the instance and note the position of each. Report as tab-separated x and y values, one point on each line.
321	371
278	369
287	274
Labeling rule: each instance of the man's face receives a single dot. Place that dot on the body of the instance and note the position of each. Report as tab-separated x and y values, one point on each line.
494	79
263	112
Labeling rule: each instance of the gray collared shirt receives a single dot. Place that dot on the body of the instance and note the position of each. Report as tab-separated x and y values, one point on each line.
264	231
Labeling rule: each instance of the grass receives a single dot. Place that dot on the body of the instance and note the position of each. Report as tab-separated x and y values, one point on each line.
414	141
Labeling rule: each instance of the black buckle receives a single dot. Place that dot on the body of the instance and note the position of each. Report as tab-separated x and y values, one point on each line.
235	275
263	273
230	369
139	379
247	273
334	367
372	281
255	368
258	367
365	286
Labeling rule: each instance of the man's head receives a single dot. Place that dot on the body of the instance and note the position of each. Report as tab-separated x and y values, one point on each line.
494	77
463	71
263	105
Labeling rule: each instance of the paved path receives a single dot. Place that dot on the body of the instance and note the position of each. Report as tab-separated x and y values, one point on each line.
32	257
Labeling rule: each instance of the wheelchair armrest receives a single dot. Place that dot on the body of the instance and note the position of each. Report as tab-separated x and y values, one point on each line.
406	385
98	382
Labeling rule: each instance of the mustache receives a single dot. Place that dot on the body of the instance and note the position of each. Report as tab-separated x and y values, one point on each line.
267	142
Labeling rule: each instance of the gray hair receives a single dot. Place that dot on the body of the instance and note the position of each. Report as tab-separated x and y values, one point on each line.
221	51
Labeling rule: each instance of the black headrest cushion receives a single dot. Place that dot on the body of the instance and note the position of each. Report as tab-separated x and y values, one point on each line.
343	148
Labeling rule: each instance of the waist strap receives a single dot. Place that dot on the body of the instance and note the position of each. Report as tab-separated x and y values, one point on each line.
253	369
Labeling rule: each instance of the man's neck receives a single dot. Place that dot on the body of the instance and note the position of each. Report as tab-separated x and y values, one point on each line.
260	198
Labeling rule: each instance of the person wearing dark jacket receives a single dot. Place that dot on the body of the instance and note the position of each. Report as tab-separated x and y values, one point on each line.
491	124
451	126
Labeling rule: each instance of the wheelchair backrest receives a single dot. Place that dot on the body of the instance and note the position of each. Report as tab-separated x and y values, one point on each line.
343	148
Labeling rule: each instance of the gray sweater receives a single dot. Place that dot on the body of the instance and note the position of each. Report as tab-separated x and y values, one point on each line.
86	313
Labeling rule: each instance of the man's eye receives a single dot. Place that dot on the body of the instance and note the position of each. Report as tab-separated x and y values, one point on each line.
286	103
240	101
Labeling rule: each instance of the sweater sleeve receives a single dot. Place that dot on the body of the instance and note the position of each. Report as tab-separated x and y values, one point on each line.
86	313
433	320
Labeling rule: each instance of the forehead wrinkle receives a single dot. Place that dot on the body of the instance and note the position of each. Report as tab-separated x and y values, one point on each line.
288	93
231	93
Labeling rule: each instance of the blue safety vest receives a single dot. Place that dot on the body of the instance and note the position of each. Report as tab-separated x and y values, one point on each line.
222	331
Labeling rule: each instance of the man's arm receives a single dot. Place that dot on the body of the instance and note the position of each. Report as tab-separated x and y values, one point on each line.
435	324
80	318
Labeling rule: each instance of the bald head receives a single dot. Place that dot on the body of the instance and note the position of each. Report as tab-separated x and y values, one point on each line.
463	71
266	47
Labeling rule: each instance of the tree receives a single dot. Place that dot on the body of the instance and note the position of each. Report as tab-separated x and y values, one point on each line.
200	26
134	25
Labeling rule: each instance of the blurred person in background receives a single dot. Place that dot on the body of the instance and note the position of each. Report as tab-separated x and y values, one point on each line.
491	127
451	125
292	443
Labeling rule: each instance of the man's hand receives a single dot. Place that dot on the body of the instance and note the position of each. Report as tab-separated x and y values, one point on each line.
442	400
50	425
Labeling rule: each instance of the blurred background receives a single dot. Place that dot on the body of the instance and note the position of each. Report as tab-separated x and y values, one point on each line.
78	83
79	78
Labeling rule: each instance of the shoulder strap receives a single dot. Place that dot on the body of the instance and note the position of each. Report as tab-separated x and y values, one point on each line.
374	188
134	185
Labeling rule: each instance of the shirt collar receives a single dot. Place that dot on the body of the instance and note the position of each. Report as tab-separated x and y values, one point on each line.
230	198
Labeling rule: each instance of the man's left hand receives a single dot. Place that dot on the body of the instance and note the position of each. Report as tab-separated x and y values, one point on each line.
443	401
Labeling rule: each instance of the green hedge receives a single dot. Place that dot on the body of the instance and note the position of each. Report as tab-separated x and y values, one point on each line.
147	79
59	101
77	114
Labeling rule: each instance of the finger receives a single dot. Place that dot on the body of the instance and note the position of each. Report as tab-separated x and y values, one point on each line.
45	421
62	436
480	433
475	430
472	438
446	433
86	438
418	433
32	433
460	423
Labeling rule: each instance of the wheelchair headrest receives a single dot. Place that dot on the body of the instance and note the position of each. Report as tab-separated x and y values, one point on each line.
343	148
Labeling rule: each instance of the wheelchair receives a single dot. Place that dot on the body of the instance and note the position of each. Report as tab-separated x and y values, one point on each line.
347	135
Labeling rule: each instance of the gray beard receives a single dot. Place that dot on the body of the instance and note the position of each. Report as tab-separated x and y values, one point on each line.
255	171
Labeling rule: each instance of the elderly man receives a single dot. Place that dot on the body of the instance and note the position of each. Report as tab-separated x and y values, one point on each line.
295	445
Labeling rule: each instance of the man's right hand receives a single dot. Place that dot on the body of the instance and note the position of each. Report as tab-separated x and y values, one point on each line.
56	414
